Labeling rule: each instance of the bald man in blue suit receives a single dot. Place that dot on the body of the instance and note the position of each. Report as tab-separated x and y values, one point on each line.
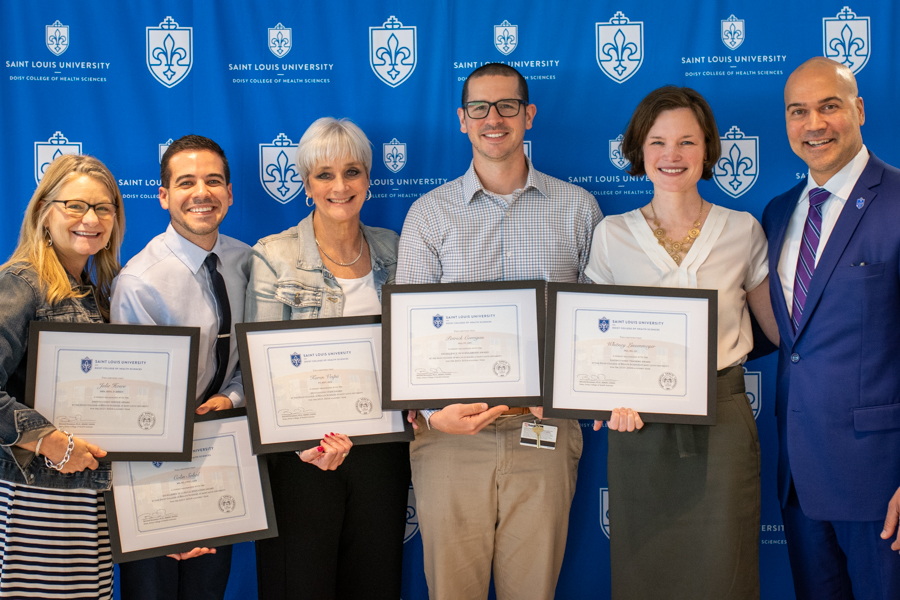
834	241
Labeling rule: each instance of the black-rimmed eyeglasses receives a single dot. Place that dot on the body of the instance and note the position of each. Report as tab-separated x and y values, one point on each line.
479	109
79	208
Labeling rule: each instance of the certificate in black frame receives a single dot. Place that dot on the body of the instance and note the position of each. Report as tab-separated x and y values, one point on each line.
270	531
538	286
242	329
711	297
192	333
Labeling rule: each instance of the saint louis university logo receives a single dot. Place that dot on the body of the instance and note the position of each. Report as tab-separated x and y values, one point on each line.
737	170
392	51
157	464
163	148
412	516
296	359
437	320
170	52
527	147
57	38
277	171
603	324
86	364
615	154
46	152
280	40
394	155
604	511
620	47
846	39
753	383
733	32
506	37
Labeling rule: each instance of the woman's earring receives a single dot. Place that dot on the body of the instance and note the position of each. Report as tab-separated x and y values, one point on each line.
369	195
107	245
309	202
49	239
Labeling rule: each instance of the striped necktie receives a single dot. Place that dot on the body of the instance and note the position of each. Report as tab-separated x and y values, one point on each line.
223	341
806	262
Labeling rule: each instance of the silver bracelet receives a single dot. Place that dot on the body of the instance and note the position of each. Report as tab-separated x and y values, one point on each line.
37	449
65	459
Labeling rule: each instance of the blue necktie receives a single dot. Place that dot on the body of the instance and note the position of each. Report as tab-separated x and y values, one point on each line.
806	262
223	341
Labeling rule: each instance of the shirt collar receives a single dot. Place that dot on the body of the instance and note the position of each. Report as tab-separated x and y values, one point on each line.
472	185
188	252
841	184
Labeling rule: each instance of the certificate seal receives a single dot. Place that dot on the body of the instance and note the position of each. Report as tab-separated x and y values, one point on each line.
146	420
501	368
363	406
226	503
667	381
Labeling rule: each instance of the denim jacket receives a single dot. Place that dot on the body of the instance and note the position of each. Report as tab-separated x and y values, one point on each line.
22	301
289	281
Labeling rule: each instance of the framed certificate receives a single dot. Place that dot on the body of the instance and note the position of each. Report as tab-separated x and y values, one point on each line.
463	342
130	389
650	349
220	497
306	378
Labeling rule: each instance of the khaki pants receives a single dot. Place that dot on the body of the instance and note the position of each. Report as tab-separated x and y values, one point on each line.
487	499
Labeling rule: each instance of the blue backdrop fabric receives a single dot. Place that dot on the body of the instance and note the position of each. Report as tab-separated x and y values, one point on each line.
119	80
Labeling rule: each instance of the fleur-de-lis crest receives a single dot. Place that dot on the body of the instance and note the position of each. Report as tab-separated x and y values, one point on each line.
738	168
393	54
847	45
620	47
169	55
277	171
57	37
615	153
280	40
169	52
394	155
392	51
619	51
506	37
846	39
46	152
732	32
735	164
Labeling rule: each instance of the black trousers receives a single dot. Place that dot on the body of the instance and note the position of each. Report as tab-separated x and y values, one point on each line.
340	533
164	578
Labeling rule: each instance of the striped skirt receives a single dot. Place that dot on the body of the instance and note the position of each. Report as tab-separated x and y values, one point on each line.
53	543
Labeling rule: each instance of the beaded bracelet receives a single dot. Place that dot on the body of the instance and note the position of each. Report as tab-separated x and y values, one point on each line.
65	459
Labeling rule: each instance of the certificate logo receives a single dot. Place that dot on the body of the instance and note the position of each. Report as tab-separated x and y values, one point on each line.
277	171
506	37
620	47
603	325
668	381
170	52
394	155
57	38
226	503
392	51
604	511
501	368
86	364
280	40
733	32
146	420
363	406
737	170
860	202
157	464
412	516
437	321
163	148
296	359
616	157
753	383
46	152
846	39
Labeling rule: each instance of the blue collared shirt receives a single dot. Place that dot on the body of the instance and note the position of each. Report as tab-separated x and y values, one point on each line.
167	284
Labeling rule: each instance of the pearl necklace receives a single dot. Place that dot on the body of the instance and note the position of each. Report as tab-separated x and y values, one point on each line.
677	249
353	262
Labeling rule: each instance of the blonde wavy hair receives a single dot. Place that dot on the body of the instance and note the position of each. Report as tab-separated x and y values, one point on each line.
33	246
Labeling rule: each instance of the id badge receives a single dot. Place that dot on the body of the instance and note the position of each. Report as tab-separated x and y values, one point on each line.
540	436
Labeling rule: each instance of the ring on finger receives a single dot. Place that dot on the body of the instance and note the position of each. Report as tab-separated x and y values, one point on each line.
346	454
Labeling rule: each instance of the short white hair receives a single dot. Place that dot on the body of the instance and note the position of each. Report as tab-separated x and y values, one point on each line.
329	139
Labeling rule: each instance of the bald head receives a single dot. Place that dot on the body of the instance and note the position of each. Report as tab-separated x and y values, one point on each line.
824	113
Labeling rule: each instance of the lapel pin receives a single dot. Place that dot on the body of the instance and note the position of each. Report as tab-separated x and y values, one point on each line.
860	202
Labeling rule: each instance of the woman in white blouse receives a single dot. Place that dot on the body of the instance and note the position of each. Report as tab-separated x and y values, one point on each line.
684	500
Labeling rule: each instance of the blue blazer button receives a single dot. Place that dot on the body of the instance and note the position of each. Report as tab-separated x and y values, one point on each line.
795	358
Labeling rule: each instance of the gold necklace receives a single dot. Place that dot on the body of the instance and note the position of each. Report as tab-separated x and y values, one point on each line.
677	249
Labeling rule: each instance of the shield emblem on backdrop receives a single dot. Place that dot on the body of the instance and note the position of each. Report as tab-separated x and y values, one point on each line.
737	169
86	364
277	171
296	359
412	516
616	157
732	32
603	325
620	47
527	147
392	51
394	155
163	148
170	52
604	511
846	39
753	383
280	40
506	37
46	152
438	320
57	38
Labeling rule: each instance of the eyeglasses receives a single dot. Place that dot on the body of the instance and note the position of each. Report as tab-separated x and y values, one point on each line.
479	109
79	208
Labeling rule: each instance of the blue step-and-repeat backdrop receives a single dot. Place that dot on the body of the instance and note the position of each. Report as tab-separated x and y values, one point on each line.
120	80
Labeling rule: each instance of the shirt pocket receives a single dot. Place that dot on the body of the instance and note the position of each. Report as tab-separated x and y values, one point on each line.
859	271
300	301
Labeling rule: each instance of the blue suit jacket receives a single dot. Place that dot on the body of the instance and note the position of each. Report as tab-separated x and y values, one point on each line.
838	390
